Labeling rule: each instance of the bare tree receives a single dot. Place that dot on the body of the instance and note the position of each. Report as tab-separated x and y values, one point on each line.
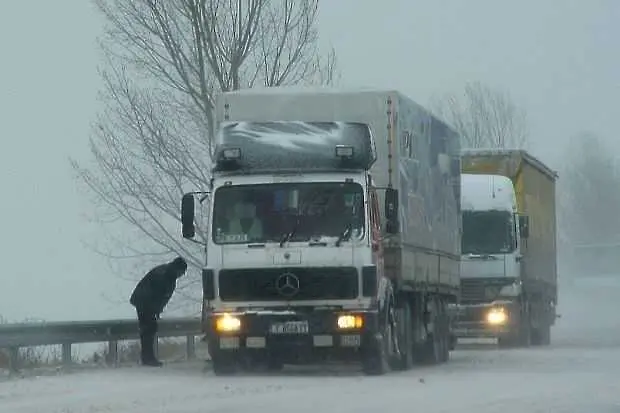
484	117
590	195
165	60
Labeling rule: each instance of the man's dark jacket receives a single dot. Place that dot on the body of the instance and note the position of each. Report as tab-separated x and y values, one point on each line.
155	290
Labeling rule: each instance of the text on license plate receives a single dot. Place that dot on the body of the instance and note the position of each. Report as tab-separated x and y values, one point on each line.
290	327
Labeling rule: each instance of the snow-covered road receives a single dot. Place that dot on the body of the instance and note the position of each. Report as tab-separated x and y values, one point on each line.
579	373
562	380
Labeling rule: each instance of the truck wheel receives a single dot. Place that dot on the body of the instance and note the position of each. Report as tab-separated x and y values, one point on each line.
445	350
525	332
430	351
521	338
404	328
453	341
376	361
224	364
446	338
541	336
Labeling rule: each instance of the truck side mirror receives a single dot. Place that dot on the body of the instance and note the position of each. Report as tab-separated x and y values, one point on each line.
187	216
524	226
391	210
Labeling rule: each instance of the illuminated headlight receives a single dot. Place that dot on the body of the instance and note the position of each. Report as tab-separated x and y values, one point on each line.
227	323
349	321
497	316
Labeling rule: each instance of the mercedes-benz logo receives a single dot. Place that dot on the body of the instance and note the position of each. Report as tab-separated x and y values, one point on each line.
287	284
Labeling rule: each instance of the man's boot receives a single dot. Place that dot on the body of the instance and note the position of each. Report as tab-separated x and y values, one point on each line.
147	354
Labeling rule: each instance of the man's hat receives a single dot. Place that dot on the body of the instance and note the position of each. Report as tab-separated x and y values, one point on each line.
180	263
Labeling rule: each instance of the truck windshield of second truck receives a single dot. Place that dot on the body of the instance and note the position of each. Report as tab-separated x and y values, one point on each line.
488	232
293	212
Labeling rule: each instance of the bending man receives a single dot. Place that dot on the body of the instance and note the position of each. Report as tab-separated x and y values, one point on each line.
150	297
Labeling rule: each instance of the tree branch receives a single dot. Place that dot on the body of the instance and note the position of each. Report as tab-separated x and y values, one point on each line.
164	63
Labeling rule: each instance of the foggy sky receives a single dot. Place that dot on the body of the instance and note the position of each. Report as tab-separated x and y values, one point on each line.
559	59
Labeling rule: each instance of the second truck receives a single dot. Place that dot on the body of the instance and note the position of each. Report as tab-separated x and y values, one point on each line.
508	264
333	230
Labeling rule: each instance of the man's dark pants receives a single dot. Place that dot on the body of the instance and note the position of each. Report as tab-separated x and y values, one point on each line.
147	324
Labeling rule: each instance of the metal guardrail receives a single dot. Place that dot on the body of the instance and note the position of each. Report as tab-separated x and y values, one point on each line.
16	336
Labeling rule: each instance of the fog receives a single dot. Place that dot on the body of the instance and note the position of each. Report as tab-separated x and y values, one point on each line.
558	60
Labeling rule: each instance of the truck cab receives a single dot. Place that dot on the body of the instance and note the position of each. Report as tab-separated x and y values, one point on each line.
509	256
294	269
491	258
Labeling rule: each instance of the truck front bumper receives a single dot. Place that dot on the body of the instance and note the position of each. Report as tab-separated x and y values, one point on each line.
293	336
489	320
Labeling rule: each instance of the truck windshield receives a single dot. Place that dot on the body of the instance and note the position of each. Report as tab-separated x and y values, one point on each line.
293	211
487	232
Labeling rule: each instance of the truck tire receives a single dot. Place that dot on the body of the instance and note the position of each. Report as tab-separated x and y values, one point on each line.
446	337
522	337
377	360
404	327
432	349
525	332
224	364
453	341
541	336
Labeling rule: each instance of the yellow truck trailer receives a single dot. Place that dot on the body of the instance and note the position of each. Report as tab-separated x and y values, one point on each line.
508	248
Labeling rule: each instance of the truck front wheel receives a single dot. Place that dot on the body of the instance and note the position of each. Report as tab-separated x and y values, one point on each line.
541	336
224	364
522	336
380	356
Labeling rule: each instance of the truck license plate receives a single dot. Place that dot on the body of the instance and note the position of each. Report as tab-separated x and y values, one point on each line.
290	327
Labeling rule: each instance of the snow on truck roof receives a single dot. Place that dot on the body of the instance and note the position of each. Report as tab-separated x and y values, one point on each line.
487	192
289	145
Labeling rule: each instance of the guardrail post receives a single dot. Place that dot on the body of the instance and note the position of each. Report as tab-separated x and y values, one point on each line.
112	353
66	354
190	347
14	359
65	334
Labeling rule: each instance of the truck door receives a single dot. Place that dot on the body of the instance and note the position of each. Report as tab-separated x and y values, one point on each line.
375	231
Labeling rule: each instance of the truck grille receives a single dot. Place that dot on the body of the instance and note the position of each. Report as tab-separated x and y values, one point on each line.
482	290
291	284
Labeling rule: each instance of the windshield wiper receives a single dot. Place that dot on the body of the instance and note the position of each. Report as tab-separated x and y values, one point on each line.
346	233
287	236
309	201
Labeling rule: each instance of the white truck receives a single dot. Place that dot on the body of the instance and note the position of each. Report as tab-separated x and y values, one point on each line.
508	263
333	231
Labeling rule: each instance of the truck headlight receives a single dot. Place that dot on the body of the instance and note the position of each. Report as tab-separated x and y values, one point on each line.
350	321
497	316
227	323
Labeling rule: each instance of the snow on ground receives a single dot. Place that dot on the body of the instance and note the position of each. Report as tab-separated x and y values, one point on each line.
578	373
475	381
